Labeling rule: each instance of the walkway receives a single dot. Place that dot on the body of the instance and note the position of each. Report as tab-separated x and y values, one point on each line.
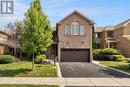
69	81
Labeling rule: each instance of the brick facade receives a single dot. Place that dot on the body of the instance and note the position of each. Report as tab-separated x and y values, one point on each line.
119	41
74	41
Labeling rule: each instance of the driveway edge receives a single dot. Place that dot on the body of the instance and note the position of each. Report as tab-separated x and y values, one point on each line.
58	70
99	64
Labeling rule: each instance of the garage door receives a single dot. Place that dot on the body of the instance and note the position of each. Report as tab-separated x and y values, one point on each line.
75	55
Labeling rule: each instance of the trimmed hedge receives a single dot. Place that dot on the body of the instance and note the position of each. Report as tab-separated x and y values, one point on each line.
108	54
4	59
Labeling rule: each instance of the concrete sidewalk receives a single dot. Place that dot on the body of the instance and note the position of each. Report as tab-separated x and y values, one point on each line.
69	81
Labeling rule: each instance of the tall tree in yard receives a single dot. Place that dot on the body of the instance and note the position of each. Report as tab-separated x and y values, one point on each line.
36	32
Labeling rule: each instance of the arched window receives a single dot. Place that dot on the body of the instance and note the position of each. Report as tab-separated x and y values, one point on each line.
74	28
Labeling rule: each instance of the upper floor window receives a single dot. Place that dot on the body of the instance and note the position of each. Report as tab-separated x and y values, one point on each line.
74	28
110	34
67	30
98	35
82	29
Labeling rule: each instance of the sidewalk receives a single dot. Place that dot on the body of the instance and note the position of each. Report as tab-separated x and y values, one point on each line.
69	81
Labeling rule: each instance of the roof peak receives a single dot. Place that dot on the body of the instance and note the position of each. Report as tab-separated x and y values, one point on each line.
78	12
122	23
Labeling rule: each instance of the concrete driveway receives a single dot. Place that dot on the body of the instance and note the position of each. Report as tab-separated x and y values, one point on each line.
83	69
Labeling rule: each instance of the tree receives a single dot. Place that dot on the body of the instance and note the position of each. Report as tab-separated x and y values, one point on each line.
93	38
36	33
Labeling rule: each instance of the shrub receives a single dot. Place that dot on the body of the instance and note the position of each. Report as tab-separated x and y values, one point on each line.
109	51
108	54
104	53
4	59
117	57
40	58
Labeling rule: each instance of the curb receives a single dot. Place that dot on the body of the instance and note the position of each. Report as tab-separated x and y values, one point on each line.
58	70
99	64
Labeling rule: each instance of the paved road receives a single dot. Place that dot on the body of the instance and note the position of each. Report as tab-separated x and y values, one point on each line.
71	69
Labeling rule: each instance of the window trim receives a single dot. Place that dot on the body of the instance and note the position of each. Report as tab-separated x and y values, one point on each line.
68	30
75	31
110	34
80	30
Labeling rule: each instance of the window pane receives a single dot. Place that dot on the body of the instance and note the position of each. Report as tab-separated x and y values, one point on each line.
74	29
82	30
110	34
67	30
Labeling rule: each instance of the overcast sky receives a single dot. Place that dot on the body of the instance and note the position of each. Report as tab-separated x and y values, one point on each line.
103	12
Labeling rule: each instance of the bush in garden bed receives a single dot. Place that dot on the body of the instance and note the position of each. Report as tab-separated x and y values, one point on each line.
40	58
117	57
108	54
4	59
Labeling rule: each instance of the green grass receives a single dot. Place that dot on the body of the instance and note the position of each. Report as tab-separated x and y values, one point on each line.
27	86
23	69
117	65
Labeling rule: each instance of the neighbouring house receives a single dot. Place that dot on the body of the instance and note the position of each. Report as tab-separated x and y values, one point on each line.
116	37
74	33
8	42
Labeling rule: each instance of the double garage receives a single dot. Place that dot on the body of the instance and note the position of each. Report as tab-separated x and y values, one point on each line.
75	55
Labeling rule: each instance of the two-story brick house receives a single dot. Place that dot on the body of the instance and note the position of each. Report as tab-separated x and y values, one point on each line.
115	37
75	38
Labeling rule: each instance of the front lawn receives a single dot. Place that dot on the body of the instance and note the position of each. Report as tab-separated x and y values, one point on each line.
118	65
23	69
27	86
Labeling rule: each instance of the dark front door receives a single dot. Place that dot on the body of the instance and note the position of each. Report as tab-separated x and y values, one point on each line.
75	55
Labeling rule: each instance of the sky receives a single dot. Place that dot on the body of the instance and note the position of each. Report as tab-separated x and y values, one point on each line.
103	12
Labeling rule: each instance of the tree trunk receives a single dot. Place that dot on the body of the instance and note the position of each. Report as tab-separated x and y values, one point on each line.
21	55
33	63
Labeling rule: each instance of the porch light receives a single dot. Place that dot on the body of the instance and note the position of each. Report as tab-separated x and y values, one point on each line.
83	47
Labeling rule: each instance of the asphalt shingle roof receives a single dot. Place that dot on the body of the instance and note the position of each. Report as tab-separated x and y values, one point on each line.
122	23
8	43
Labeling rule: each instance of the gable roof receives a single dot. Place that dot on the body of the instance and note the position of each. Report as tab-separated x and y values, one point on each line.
99	29
4	32
109	27
122	23
75	11
8	43
106	28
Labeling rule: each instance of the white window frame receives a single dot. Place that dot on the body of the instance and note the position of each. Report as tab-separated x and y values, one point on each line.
74	28
82	29
67	30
